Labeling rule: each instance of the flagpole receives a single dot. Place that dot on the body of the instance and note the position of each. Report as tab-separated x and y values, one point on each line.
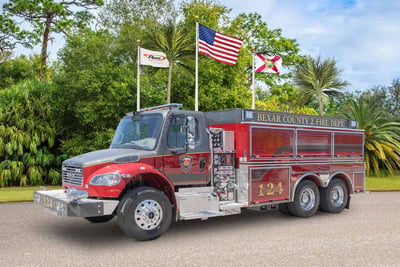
138	78
253	82
196	84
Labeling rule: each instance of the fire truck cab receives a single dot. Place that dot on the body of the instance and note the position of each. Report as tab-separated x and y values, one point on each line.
168	164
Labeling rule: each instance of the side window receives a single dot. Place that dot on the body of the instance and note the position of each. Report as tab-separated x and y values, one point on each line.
176	132
192	132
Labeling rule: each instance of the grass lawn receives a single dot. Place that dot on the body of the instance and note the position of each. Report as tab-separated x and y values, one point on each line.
378	184
18	194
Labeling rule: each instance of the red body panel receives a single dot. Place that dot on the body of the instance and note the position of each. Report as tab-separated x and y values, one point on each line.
278	156
185	169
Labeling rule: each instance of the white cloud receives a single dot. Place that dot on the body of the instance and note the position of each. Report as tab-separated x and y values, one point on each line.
362	35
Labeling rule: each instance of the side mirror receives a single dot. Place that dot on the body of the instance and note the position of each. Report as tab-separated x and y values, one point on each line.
191	135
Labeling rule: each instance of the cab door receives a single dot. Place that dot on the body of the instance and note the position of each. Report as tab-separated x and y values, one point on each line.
186	157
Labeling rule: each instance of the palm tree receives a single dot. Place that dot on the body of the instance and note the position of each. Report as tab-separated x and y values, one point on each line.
177	45
382	137
318	78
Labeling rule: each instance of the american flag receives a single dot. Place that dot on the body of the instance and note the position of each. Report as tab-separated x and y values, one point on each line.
219	46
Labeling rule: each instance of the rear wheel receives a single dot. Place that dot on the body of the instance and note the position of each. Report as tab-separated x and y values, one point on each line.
334	197
144	213
306	200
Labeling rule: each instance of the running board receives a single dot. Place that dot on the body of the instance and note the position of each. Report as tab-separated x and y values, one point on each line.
202	203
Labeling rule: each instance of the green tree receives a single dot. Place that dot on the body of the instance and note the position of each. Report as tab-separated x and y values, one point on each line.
94	89
51	16
117	14
18	69
282	98
27	136
382	137
179	47
319	79
10	36
386	98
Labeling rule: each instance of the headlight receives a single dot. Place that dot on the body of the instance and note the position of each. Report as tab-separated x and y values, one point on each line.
108	179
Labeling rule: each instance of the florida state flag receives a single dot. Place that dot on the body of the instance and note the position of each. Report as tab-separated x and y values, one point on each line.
271	64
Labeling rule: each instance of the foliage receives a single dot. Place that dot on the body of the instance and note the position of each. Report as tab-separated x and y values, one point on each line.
179	48
117	14
385	98
282	98
94	84
319	79
88	92
18	69
27	136
93	91
51	16
10	36
382	137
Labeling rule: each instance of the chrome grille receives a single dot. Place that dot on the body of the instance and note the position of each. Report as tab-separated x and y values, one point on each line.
72	175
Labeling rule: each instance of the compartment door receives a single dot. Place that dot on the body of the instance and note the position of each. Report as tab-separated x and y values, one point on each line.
269	184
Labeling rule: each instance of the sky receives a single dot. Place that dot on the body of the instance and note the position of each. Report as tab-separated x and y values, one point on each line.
363	36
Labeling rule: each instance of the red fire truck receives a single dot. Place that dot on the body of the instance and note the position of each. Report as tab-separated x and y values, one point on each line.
168	164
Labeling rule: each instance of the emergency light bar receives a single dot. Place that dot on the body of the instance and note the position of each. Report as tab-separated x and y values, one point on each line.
161	107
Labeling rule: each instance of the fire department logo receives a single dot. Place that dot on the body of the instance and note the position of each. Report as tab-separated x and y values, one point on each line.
186	163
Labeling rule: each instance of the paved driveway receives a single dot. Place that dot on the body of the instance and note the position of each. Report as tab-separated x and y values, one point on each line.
368	234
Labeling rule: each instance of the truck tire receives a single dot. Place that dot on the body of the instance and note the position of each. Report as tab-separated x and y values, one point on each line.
334	197
306	200
100	219
283	208
144	213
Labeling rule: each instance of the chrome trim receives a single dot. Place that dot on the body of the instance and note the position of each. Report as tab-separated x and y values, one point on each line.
57	203
364	183
349	181
242	176
270	167
72	175
302	126
301	178
307	200
148	214
337	196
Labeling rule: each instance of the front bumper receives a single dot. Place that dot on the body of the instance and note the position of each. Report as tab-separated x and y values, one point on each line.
56	202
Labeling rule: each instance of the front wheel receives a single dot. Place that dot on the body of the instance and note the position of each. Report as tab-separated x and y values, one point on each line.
334	197
306	200
144	213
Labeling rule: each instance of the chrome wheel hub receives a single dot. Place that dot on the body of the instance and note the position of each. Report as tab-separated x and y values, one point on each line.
307	199
148	214
337	196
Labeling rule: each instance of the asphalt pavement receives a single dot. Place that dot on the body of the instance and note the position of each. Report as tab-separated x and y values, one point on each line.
367	234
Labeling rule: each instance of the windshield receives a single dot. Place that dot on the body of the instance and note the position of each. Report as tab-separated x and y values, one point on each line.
138	134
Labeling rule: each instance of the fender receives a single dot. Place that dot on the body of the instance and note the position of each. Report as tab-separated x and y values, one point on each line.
309	176
346	179
129	172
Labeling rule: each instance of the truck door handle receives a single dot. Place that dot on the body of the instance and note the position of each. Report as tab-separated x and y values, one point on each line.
202	163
